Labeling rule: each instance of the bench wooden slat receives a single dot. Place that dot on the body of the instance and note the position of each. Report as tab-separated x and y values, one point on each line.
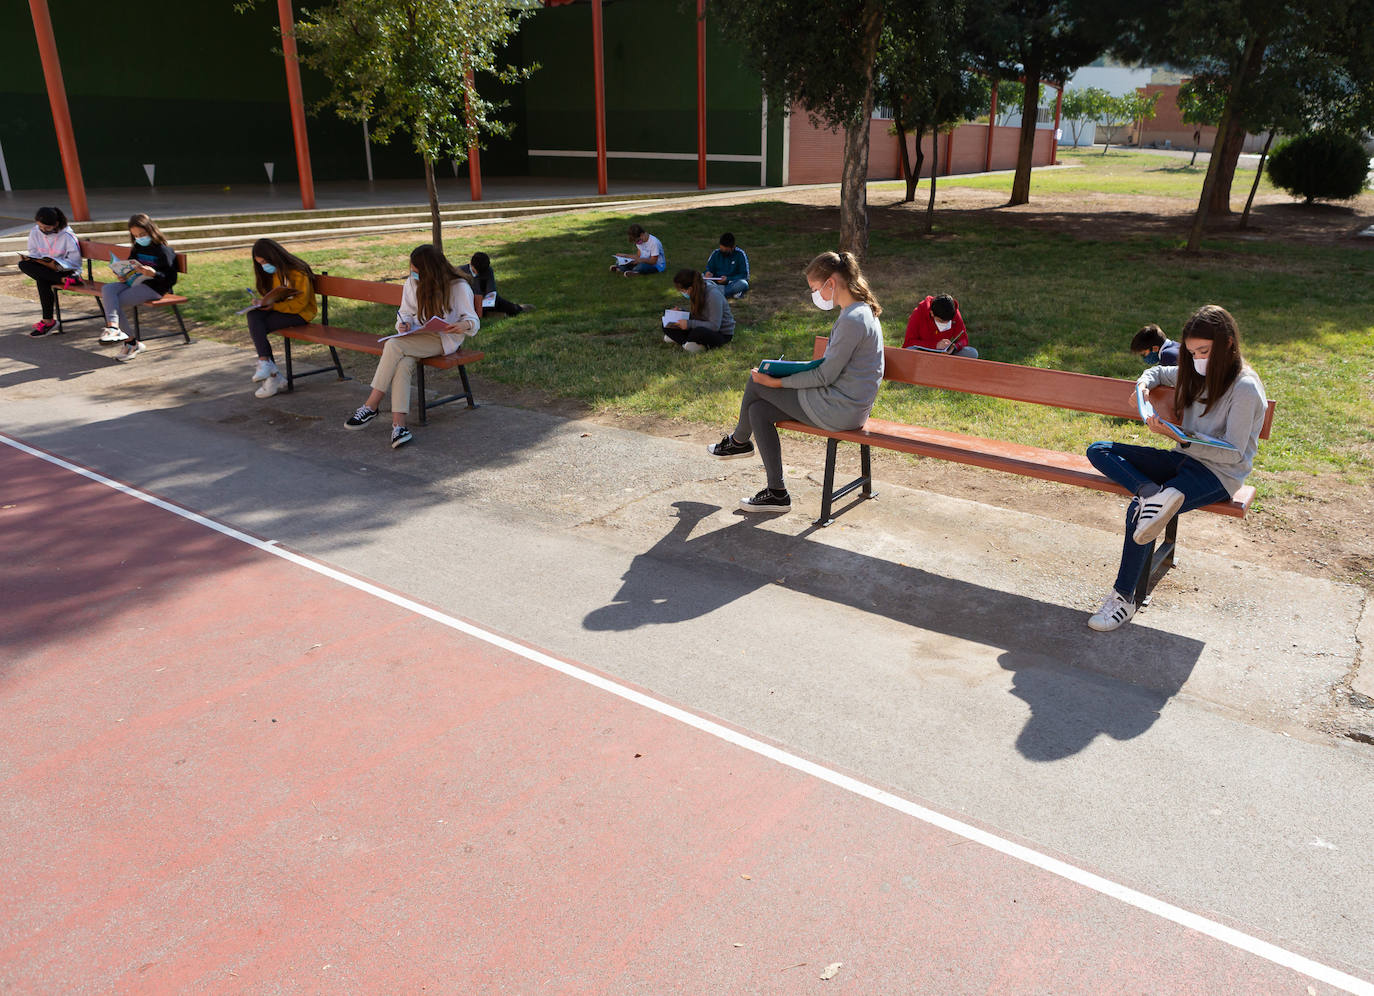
91	288
359	290
994	454
1111	396
366	342
102	250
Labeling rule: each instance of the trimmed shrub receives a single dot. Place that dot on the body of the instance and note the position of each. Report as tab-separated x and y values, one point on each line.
1321	165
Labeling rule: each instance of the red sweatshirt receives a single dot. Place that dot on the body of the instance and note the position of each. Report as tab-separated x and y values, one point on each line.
921	330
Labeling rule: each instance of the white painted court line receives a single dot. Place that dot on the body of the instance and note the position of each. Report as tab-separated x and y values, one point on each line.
1139	900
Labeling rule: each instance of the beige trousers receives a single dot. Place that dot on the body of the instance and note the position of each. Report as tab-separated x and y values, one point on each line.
397	367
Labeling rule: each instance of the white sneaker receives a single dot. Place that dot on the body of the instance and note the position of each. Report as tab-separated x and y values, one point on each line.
131	349
694	347
1115	612
113	334
265	369
1155	513
270	386
670	340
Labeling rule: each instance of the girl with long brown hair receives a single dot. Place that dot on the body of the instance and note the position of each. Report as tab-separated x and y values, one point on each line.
1216	395
154	272
286	297
836	395
710	322
438	298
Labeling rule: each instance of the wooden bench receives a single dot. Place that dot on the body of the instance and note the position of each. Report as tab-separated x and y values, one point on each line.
90	287
1055	388
375	292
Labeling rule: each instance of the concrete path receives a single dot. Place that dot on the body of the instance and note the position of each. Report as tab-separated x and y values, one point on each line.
1189	755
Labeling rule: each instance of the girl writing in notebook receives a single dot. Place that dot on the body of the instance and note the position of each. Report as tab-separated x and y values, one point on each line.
1216	394
836	395
153	273
285	297
710	322
52	259
437	298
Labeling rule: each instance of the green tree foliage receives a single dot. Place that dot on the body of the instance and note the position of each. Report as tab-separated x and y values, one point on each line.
1323	165
822	57
1085	104
1124	109
408	67
1036	40
922	76
1200	103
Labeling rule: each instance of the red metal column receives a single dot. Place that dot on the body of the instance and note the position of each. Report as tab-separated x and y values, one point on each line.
701	94
1054	137
599	78
474	156
61	115
293	91
992	123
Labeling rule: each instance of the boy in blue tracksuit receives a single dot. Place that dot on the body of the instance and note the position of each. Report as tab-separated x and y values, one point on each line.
728	266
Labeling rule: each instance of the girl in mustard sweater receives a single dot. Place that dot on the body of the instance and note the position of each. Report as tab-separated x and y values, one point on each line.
286	297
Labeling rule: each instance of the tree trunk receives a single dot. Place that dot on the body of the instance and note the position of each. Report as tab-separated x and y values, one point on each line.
1197	144
436	234
1249	65
854	174
1030	102
934	170
905	160
1245	215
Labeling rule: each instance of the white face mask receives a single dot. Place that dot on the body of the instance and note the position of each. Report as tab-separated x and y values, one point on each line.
1200	364
943	326
821	302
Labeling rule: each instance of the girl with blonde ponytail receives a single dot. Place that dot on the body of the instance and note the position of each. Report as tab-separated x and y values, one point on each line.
837	395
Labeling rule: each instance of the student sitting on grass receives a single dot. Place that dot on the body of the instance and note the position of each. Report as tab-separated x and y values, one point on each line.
286	297
434	290
648	258
935	323
836	395
1151	346
53	260
483	280
1216	393
154	274
728	266
710	323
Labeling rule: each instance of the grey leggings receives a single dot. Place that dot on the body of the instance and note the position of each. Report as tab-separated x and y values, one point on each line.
759	411
117	296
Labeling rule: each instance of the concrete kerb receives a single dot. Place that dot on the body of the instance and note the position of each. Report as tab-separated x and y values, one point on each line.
980	589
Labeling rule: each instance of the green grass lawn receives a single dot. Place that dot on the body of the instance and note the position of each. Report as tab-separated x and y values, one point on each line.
1066	300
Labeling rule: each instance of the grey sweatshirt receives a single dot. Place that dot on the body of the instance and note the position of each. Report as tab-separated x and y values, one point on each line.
839	394
718	317
1237	418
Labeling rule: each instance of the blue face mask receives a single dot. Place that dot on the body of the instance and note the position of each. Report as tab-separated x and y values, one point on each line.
1151	358
144	240
685	293
268	268
413	276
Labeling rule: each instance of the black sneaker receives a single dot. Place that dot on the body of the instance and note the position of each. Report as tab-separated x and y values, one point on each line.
767	500
400	435
728	449
360	418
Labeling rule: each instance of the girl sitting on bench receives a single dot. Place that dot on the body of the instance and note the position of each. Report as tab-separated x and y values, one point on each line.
52	259
154	274
438	298
1217	394
836	395
286	297
711	324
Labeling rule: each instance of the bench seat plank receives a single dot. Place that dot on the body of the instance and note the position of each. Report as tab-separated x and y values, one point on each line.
91	288
995	454
366	342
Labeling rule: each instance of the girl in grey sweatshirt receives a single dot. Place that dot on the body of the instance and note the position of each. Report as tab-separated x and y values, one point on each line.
836	395
1215	394
710	324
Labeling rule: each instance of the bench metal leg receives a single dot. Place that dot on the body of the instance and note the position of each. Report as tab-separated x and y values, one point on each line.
1157	564
292	376
425	404
420	386
138	330
829	494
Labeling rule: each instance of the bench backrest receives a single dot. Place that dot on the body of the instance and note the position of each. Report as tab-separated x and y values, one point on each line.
373	291
101	250
1111	396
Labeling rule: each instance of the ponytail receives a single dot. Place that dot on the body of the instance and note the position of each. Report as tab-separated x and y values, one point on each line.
846	266
691	280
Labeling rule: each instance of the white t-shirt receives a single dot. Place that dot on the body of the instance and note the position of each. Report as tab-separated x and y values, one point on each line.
650	247
460	306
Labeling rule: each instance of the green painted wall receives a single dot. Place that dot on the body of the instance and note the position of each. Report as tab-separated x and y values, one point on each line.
202	95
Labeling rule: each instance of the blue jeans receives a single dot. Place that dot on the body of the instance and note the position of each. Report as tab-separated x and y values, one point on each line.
1133	467
642	268
735	287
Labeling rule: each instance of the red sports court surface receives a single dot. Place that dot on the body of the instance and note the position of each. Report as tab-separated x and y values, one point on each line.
223	771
